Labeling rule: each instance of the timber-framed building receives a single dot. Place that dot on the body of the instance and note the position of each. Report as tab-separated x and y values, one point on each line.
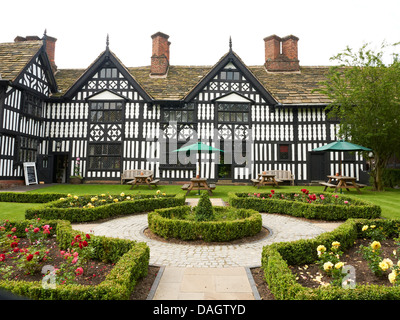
115	118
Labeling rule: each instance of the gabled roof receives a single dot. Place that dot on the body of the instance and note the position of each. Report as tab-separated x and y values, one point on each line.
74	79
183	82
15	56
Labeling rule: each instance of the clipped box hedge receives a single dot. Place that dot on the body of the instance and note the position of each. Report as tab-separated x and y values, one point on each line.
168	223
52	210
131	263
277	257
330	212
25	197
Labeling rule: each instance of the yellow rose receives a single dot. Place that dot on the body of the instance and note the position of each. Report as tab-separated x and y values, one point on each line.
383	265
103	195
69	195
364	228
321	248
115	200
339	265
389	262
76	197
328	266
164	194
335	244
122	194
392	277
158	191
375	245
128	198
373	226
62	199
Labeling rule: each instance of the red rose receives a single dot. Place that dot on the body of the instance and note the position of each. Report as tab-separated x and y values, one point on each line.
36	230
84	243
29	257
87	236
2	257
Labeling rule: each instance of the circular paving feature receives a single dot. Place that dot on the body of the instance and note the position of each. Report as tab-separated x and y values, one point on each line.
282	228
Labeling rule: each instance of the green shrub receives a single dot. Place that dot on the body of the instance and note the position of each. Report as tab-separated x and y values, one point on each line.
355	209
391	177
173	223
204	209
131	263
24	197
277	257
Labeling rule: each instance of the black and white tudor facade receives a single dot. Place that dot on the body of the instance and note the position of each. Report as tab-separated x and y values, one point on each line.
115	118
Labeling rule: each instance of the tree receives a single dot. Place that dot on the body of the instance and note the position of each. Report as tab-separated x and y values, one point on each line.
365	97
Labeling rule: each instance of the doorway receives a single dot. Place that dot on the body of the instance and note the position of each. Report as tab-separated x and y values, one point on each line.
317	170
224	167
60	168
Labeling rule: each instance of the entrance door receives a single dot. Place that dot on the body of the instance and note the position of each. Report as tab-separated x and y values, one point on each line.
224	167
45	168
317	168
60	168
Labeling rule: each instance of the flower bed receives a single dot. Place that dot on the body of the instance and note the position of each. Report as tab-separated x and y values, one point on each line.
89	208
303	204
278	258
205	222
130	261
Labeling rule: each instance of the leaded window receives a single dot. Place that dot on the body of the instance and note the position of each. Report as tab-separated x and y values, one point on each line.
108	73
106	112
105	156
27	149
178	114
32	105
233	112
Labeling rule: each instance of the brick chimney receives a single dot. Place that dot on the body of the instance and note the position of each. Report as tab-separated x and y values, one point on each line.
160	54
281	54
50	50
50	44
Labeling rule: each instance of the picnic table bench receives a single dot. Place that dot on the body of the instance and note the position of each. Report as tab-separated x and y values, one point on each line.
198	184
342	182
136	177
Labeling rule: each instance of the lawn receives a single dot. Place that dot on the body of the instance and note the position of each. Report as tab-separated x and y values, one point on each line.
388	200
15	211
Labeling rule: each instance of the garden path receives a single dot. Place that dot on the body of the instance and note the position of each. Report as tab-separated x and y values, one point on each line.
207	271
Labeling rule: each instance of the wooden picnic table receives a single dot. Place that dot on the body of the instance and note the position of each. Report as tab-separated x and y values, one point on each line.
198	184
342	182
145	178
265	179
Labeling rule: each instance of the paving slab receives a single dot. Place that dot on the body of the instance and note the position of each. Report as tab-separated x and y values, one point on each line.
179	283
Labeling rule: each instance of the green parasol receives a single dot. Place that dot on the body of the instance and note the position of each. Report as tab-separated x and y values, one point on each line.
341	145
199	147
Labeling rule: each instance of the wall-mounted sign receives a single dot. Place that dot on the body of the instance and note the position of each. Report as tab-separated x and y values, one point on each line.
30	173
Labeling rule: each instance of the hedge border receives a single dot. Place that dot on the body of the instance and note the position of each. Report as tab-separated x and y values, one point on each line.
166	223
362	209
25	197
277	257
131	260
51	211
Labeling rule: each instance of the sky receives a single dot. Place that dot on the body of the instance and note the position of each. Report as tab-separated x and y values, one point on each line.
200	30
